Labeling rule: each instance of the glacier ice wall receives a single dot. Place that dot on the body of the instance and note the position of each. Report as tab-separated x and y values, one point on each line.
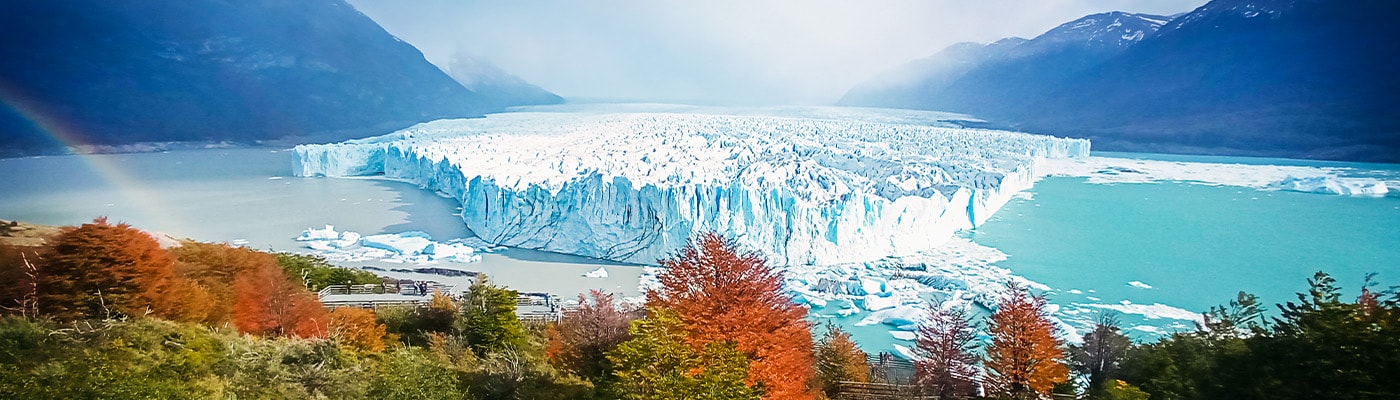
634	187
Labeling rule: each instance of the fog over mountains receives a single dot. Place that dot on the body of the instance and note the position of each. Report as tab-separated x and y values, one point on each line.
1293	78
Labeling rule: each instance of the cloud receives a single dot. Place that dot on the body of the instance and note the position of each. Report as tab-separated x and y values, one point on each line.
719	51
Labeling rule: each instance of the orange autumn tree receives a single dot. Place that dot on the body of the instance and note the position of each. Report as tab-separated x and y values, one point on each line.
267	303
215	267
357	329
724	294
100	270
1025	359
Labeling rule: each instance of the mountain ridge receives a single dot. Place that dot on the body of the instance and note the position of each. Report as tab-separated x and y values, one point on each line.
1280	78
95	73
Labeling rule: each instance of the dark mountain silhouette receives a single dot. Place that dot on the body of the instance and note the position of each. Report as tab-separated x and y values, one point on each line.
1291	78
113	72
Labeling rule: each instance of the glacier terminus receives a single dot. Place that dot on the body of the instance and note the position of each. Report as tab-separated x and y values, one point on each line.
850	186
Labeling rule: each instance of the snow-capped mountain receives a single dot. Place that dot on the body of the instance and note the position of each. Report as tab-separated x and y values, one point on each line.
636	186
502	88
1290	78
978	79
112	72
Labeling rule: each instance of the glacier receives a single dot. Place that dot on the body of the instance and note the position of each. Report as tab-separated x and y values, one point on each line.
635	186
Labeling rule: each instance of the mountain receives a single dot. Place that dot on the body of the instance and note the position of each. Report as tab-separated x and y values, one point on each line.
1304	78
504	89
113	72
1289	78
911	84
978	79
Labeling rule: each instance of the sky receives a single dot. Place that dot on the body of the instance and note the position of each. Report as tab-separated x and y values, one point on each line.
733	52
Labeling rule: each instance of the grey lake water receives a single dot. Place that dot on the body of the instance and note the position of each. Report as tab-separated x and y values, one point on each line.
248	196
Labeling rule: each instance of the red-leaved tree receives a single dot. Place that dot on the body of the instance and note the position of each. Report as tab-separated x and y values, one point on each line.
267	303
722	293
582	339
1025	359
945	343
100	270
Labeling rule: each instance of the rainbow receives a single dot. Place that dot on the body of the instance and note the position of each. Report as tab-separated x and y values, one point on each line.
131	192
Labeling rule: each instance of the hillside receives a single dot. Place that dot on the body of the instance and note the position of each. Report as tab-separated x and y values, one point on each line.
1290	78
101	72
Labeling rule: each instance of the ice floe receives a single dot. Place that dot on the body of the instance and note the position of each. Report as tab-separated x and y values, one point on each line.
406	247
1327	180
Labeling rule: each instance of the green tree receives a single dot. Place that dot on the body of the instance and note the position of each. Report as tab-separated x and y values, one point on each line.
412	373
316	273
1102	351
839	359
1114	389
488	320
657	364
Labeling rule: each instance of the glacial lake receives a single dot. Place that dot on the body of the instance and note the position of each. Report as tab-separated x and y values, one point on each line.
1189	246
1194	246
248	196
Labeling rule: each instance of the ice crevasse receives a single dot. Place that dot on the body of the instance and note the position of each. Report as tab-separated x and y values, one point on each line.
634	187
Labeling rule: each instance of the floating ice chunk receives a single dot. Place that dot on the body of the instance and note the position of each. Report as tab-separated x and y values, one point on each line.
903	335
875	302
1154	311
320	246
318	234
897	316
1075	291
905	352
407	244
597	273
1325	180
1139	285
347	240
1149	329
869	285
1333	185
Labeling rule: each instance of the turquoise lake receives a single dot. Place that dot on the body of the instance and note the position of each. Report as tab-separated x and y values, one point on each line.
1195	245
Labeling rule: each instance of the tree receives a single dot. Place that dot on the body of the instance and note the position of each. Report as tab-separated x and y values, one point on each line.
267	303
99	270
658	364
356	328
722	293
580	342
488	319
946	365
1102	351
1024	359
213	268
838	359
412	374
316	273
1241	317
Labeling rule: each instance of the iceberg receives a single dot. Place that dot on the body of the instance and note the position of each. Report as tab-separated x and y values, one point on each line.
407	247
597	273
634	187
